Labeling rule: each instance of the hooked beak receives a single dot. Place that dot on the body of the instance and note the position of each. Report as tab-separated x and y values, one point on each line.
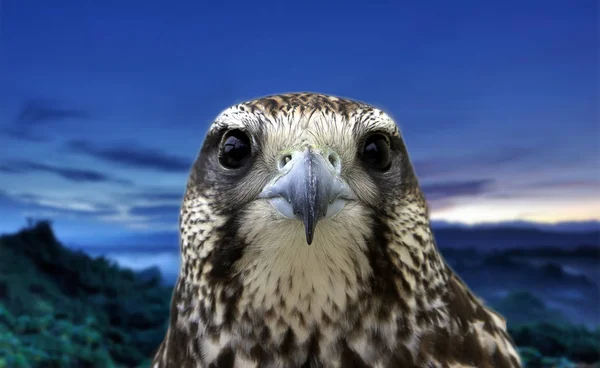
308	188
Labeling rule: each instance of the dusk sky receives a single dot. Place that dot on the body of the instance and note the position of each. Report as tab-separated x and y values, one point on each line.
104	104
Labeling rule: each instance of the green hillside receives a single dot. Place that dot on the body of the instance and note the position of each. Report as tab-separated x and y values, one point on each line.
60	308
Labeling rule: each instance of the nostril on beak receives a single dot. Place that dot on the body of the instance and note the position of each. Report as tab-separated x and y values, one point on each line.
334	160
283	161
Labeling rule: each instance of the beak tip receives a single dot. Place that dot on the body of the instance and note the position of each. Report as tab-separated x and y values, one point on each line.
309	237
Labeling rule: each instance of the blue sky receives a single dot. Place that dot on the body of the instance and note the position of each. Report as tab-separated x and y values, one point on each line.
104	105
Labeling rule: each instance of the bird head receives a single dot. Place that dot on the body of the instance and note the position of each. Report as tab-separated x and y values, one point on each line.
303	226
308	164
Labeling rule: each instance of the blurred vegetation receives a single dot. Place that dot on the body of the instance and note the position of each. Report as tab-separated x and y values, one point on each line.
62	308
549	345
545	336
590	252
521	307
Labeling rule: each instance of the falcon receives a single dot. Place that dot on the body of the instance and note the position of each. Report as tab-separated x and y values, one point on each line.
306	242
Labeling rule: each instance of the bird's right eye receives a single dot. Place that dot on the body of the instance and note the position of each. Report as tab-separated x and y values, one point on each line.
235	149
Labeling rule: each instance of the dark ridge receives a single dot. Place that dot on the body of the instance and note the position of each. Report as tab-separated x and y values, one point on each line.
59	306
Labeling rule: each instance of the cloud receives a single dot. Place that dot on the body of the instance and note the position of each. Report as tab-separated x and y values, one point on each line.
148	217
159	196
42	206
37	112
435	167
154	211
551	189
133	157
71	174
25	134
10	169
7	200
71	205
445	190
155	215
566	184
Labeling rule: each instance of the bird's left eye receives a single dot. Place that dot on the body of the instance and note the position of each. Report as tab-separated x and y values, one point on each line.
235	149
376	152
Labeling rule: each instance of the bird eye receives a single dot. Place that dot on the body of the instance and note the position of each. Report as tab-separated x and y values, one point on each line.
235	149
376	152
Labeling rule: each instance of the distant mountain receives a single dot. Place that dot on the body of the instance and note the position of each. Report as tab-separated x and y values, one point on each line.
564	285
521	307
484	236
568	226
590	253
494	238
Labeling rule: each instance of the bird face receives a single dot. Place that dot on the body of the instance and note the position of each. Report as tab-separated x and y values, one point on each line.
294	161
308	186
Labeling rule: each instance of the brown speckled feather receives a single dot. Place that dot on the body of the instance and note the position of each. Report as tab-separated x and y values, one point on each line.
371	291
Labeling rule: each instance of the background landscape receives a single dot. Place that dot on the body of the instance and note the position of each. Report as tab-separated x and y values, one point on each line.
104	106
